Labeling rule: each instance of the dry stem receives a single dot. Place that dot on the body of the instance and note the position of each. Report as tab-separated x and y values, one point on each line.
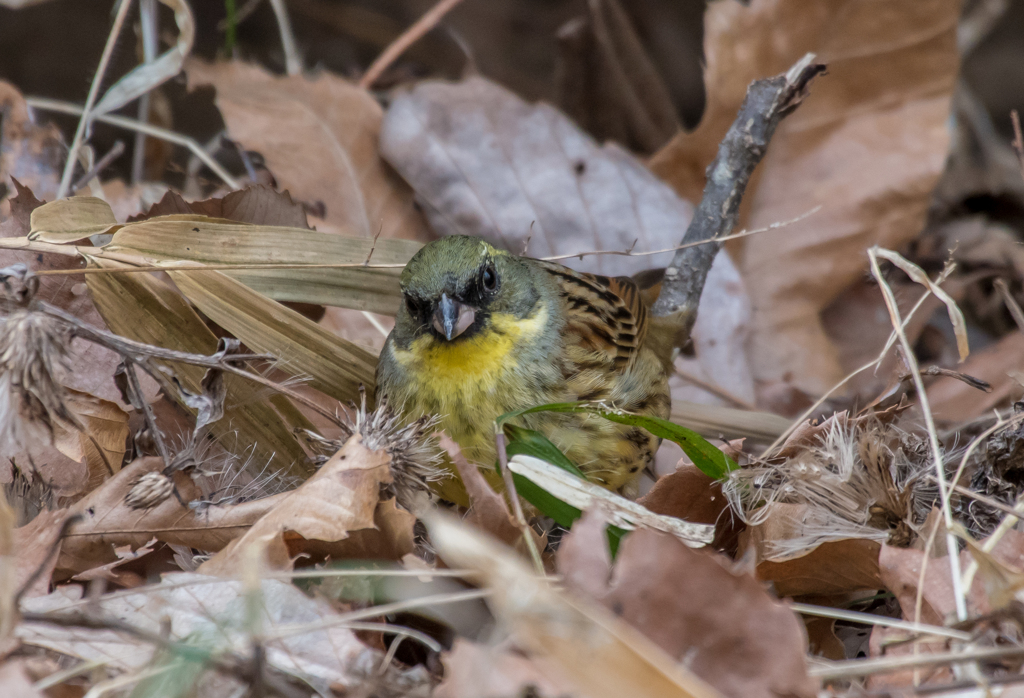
767	102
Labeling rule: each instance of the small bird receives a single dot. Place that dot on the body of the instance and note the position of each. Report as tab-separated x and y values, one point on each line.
483	332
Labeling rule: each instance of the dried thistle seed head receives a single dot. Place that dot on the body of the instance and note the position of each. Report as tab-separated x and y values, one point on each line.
149	490
33	359
415	455
18	285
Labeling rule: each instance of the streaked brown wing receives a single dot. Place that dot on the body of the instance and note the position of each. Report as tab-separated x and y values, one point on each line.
605	315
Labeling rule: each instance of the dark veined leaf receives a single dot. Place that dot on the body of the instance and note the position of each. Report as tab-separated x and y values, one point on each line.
709	459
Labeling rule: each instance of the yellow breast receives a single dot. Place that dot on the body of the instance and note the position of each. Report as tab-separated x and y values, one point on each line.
465	375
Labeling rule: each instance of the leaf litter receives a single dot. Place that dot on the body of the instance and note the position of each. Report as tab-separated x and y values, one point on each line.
222	419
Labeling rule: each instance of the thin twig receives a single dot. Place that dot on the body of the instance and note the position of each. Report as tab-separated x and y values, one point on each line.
100	165
872	619
283	631
206	267
856	372
147	411
695	243
1011	303
767	102
881	665
714	389
90	100
149	21
163	134
1018	139
513	497
230	663
139	352
293	66
933	438
410	36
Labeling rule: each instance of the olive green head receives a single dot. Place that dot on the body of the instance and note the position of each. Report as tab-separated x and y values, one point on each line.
452	286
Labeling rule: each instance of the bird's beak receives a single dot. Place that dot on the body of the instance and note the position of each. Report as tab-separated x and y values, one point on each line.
452	318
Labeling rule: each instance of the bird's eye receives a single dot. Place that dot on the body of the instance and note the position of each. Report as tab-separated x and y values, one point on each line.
490	279
412	305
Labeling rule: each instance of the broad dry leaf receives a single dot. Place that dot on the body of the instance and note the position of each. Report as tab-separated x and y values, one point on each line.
721	625
598	653
318	136
867	145
955	402
32	544
213	241
103	443
338	510
335	367
488	510
484	162
32	153
835	567
109	523
191	605
72	219
15	682
256	204
140	307
473	670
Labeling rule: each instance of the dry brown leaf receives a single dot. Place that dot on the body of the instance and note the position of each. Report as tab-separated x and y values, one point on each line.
487	163
955	402
488	510
30	152
691	495
103	443
143	308
125	554
15	682
108	522
835	567
185	605
868	145
32	543
318	135
723	626
19	218
602	656
337	511
72	219
472	670
256	204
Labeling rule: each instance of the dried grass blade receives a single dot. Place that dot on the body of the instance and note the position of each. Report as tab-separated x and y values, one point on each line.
140	307
145	77
336	367
918	274
212	241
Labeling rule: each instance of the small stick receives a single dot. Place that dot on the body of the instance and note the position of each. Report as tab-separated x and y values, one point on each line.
139	127
867	667
933	438
410	36
1011	303
90	100
517	509
209	267
147	411
100	165
1018	139
767	102
149	21
293	66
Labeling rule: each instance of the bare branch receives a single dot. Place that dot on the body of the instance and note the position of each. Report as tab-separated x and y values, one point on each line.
767	102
